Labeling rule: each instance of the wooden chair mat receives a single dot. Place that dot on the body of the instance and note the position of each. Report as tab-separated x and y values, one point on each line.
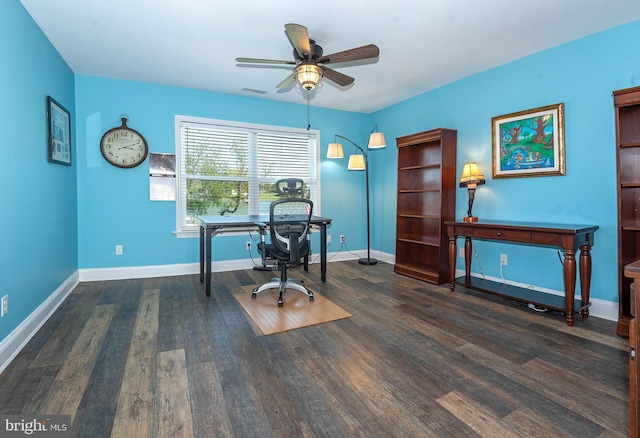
297	311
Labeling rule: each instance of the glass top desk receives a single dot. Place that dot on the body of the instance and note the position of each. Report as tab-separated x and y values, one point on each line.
211	226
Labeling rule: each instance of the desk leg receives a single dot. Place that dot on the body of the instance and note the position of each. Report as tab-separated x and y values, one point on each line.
201	254
468	250
208	245
585	278
569	282
452	262
323	252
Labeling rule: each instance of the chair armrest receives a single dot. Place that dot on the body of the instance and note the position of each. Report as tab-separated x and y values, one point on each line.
262	229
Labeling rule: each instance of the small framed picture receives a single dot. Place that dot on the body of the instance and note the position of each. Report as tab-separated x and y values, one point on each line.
529	143
58	133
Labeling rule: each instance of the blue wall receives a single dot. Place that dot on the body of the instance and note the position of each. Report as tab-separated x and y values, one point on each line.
113	203
38	225
582	74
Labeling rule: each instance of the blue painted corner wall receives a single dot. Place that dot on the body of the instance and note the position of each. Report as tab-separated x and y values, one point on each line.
57	219
38	212
581	74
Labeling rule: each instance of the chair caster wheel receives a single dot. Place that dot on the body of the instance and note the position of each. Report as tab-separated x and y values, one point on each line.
280	304
311	298
253	296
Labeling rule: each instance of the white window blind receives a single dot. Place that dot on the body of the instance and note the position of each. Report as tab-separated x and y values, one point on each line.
231	168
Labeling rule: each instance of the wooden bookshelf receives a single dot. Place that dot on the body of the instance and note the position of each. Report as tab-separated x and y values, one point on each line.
426	198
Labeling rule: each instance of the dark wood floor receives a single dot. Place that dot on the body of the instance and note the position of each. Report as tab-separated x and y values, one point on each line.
156	357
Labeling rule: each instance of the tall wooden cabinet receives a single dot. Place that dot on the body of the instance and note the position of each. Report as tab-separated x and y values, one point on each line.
426	199
627	109
632	272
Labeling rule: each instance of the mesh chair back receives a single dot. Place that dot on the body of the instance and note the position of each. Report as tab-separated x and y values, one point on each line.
290	187
290	221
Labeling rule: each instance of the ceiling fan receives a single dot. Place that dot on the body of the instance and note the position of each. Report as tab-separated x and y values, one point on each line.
310	63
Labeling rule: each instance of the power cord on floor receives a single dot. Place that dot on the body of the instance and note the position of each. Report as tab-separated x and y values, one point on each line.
258	266
342	245
532	306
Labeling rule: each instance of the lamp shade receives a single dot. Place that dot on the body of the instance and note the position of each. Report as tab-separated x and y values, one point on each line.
356	162
377	141
308	75
335	151
471	175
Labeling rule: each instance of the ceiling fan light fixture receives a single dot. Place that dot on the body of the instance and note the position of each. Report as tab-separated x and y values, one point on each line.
308	75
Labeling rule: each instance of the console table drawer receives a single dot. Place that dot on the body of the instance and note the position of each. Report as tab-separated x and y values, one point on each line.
510	235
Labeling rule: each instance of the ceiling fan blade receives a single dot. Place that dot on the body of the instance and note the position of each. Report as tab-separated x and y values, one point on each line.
337	77
264	61
287	82
299	38
364	52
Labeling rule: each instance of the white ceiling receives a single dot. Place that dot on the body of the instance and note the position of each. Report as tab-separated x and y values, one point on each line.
423	43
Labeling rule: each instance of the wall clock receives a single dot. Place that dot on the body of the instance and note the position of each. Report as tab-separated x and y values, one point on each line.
124	147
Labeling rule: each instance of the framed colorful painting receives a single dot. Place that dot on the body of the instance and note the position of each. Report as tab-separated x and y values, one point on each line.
529	143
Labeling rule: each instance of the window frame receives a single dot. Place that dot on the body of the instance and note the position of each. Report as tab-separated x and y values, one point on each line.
187	230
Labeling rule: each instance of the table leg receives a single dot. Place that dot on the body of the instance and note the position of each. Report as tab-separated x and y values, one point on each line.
208	245
569	283
201	254
585	278
452	262
323	252
468	250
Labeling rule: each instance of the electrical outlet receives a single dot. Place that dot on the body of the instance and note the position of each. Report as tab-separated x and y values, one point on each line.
341	238
248	246
5	305
503	259
329	238
461	252
118	249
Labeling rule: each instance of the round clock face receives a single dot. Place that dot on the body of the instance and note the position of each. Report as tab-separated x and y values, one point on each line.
124	147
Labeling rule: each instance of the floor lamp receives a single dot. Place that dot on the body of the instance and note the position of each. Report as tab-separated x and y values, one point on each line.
360	162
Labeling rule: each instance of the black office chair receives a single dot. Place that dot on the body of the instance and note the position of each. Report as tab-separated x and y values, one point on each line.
289	225
285	188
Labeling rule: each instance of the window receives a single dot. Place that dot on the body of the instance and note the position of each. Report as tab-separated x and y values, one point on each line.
230	168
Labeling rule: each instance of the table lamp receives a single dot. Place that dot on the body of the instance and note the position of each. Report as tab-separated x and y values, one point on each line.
471	178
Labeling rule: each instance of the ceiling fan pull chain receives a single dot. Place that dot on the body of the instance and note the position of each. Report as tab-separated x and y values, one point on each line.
308	113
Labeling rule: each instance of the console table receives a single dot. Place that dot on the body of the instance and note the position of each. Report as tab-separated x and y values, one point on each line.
567	237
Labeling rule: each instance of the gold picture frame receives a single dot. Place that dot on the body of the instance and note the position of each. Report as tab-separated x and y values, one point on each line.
529	143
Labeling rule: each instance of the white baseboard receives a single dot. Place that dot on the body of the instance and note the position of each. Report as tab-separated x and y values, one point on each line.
123	273
599	308
355	255
18	338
